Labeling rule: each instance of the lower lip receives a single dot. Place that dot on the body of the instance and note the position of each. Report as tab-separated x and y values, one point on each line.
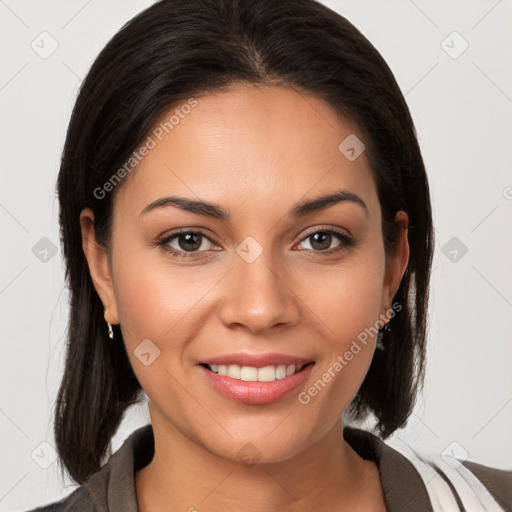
256	393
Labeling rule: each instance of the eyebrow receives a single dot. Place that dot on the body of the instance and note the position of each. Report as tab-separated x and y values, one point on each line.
300	209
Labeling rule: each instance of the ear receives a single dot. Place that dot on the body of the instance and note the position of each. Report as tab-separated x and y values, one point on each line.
397	262
99	268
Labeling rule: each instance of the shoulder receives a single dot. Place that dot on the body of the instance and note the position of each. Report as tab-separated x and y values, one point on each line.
461	484
113	486
497	481
431	481
79	500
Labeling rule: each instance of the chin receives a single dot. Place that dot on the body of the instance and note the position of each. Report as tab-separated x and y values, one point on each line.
257	450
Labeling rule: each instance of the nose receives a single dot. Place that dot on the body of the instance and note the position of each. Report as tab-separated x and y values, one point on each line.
258	296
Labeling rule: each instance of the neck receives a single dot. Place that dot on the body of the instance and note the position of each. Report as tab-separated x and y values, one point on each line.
328	475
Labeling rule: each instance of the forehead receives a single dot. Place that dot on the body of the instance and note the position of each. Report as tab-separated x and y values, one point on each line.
254	146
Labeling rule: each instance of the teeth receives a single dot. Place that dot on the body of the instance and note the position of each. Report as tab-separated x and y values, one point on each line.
233	371
251	374
281	371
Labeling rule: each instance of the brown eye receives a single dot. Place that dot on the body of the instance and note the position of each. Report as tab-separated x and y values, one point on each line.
183	242
189	241
321	240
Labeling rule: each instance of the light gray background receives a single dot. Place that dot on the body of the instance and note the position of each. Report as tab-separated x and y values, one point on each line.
462	109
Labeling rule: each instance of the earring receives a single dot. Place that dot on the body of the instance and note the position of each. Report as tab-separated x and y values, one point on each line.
109	327
380	335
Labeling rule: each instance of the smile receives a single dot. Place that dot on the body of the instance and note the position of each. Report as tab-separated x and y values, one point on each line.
252	374
256	386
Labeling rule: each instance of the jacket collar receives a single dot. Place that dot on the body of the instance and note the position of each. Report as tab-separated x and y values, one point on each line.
112	488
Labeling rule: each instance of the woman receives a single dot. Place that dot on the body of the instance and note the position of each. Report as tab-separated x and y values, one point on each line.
246	223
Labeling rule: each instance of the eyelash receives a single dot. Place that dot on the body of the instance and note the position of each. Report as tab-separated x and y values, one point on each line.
347	242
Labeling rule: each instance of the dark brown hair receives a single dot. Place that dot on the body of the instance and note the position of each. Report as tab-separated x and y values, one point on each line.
165	54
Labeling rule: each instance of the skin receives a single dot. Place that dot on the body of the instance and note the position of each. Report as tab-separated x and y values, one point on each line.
255	151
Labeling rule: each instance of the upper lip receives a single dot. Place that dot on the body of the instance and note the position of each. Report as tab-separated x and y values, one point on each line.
257	360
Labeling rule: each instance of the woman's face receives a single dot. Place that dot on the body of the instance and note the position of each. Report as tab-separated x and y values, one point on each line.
263	285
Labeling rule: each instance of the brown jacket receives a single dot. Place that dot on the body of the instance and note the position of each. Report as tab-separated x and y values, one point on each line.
112	488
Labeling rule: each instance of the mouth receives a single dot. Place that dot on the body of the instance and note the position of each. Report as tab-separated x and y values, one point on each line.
269	373
256	385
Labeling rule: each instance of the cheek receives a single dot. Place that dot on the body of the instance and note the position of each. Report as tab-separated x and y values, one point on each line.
153	296
169	307
347	303
156	305
347	299
355	301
